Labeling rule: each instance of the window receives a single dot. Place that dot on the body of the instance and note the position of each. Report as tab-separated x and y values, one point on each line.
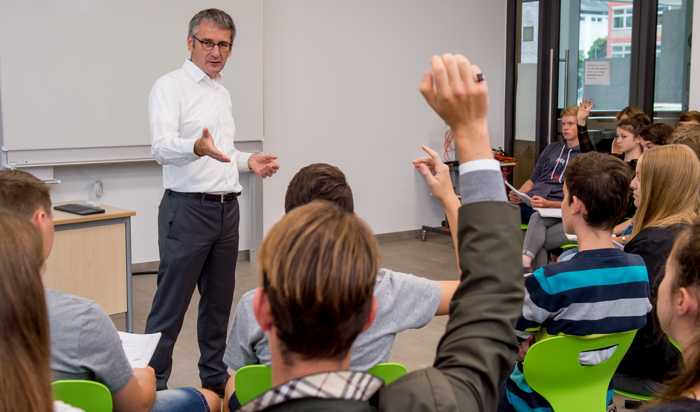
672	77
621	50
528	33
622	18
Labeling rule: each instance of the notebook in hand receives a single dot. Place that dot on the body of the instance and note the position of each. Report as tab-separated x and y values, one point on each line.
78	209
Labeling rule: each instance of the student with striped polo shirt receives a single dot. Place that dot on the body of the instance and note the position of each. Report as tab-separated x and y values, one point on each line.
601	290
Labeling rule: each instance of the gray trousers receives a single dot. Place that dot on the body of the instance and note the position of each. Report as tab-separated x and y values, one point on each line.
198	241
543	234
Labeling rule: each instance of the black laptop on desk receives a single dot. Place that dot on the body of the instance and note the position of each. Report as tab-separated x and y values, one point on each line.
78	209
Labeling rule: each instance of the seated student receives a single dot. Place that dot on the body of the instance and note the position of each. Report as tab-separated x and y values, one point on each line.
84	341
24	333
544	186
623	114
404	301
665	190
628	140
318	269
689	117
689	135
657	134
600	290
678	310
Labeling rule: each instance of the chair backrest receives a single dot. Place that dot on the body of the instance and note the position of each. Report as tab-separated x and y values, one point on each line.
552	368
388	371
89	396
252	381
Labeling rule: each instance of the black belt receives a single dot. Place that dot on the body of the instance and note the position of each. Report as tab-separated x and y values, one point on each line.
221	198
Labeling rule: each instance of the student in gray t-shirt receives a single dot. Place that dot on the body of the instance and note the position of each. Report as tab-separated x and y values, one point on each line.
85	345
404	302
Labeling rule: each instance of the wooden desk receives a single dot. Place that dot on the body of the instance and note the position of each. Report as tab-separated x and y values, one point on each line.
91	258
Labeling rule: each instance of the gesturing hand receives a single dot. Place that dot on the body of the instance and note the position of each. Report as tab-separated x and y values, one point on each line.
455	89
204	146
436	174
263	165
584	110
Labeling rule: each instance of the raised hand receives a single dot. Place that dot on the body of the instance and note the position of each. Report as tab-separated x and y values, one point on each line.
263	165
584	110
204	146
436	174
455	90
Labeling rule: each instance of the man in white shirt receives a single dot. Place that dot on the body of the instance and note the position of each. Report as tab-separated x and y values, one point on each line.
193	130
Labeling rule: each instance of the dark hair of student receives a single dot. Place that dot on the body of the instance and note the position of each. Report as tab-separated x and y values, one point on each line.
634	123
23	193
319	181
657	133
690	116
601	182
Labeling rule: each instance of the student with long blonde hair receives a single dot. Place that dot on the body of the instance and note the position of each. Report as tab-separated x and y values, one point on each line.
25	381
665	191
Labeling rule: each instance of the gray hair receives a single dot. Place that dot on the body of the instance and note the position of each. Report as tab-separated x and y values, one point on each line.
219	17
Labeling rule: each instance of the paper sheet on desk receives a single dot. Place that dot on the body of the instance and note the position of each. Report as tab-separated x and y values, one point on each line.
524	197
554	212
139	349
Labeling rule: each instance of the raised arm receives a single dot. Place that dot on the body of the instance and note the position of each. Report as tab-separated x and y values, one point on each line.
479	344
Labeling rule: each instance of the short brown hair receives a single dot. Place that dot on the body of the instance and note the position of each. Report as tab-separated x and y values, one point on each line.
601	182
24	331
634	123
628	111
657	133
23	193
570	111
690	116
689	135
318	266
319	181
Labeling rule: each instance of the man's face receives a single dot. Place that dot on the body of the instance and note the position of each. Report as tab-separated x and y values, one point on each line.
569	129
211	61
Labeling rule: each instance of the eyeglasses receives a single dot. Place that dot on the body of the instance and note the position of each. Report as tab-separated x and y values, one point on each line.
224	46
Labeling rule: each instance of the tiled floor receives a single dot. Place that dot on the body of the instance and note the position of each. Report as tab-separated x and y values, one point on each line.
433	259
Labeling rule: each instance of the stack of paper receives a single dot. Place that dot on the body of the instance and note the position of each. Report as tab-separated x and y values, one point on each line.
139	349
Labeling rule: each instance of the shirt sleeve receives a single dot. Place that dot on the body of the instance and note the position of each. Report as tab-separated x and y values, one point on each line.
481	181
167	145
534	314
100	349
414	300
244	333
241	160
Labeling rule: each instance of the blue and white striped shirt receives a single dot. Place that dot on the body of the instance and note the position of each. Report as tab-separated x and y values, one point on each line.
596	292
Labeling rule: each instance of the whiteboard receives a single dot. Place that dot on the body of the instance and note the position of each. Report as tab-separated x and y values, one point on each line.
75	74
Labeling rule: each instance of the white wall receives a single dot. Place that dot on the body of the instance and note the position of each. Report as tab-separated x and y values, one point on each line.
694	98
341	86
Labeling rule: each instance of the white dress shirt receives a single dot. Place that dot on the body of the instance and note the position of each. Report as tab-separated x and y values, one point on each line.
182	104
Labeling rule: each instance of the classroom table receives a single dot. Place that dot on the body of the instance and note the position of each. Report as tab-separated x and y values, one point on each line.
91	258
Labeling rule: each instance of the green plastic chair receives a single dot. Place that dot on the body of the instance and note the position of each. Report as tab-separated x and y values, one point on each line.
388	371
523	227
89	396
568	245
252	381
553	370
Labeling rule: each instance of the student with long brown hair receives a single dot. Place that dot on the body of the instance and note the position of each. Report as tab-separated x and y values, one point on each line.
25	381
665	191
678	310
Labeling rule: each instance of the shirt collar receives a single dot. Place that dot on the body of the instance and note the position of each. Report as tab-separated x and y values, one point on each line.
195	72
346	385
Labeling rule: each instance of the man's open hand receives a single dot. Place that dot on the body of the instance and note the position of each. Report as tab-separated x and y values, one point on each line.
204	146
263	165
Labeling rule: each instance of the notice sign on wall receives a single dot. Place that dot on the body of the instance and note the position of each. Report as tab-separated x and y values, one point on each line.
597	73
